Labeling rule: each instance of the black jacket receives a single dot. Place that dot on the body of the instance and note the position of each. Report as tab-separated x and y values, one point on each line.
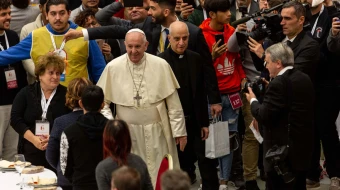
306	55
26	109
273	114
197	78
85	150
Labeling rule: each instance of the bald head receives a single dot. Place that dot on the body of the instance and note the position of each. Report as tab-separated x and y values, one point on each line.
178	37
178	25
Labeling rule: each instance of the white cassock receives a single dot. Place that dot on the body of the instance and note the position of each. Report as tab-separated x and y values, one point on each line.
159	118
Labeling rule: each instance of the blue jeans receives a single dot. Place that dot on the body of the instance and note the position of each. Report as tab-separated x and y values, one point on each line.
230	115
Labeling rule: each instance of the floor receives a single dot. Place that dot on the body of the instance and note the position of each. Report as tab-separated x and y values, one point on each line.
324	184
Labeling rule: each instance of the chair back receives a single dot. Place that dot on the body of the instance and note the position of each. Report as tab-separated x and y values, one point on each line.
166	164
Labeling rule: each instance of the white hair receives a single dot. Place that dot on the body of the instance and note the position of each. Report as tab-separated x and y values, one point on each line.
137	30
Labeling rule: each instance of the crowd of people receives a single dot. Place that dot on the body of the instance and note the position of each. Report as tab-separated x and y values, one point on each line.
99	93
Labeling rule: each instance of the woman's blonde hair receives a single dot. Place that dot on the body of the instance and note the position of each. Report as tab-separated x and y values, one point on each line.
74	90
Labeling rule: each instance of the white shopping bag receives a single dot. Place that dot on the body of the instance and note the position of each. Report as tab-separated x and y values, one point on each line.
217	144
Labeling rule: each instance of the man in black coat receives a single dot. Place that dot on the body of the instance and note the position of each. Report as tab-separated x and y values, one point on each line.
287	115
306	49
188	67
161	15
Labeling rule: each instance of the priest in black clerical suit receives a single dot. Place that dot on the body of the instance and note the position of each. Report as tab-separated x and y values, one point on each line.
189	71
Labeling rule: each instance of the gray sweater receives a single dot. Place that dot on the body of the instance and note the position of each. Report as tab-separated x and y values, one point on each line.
106	167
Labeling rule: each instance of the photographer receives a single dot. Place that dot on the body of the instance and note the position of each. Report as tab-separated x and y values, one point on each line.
287	117
306	50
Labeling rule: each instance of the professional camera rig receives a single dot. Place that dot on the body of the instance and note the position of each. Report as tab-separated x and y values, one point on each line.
267	25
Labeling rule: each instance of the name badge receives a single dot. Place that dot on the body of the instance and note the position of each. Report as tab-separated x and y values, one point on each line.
42	128
235	100
62	54
11	78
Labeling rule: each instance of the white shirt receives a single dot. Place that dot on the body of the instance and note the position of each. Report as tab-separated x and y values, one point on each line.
287	39
280	73
238	13
164	36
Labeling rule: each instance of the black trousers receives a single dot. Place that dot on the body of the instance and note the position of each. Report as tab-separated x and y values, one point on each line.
275	182
327	110
195	149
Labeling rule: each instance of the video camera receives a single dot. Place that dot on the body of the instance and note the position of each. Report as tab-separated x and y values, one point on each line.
267	24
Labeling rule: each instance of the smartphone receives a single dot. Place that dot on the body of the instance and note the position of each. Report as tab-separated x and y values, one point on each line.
219	37
337	20
133	3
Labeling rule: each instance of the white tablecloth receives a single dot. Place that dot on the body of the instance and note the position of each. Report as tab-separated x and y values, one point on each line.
9	179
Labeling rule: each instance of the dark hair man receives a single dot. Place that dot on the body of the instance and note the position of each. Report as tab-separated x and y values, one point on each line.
286	114
306	50
40	21
125	178
186	63
228	69
12	79
81	144
175	180
82	58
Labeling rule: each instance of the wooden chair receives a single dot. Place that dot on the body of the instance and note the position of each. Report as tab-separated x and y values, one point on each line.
166	164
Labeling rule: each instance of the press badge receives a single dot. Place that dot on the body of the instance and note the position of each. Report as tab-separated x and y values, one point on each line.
11	78
235	101
42	127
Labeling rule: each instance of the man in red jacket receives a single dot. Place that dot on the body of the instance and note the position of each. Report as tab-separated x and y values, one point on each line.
228	68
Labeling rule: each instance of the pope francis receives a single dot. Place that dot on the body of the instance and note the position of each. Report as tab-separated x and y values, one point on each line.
144	89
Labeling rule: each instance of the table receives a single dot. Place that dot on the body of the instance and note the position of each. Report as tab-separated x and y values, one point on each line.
9	179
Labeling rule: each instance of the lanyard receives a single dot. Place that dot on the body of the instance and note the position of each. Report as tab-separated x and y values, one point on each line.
316	21
44	104
1	47
54	45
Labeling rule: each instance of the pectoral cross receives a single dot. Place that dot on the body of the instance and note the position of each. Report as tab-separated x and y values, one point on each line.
138	98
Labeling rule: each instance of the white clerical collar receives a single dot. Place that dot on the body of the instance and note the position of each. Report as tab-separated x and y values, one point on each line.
163	27
284	70
287	39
